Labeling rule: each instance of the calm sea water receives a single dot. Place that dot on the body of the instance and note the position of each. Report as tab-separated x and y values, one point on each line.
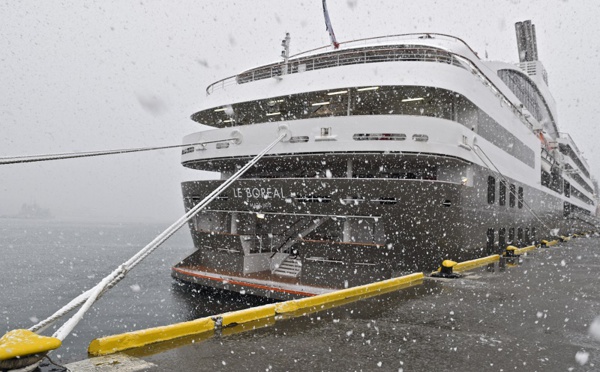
45	264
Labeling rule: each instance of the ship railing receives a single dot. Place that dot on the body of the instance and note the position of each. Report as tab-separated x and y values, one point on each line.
576	155
567	136
350	57
258	243
402	53
387	39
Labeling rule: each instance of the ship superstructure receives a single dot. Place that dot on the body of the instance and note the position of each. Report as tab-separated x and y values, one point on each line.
399	152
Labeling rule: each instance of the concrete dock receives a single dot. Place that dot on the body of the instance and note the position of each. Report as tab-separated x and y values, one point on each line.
534	316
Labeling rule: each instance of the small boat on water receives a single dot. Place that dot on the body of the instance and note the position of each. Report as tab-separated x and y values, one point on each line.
399	152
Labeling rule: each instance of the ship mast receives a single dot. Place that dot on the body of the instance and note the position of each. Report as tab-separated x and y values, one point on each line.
285	53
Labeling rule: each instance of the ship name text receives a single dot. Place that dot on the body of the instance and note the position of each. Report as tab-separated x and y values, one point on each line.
258	192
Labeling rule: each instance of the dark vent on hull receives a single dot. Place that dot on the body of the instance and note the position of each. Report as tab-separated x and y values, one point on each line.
313	199
298	139
385	201
420	137
352	200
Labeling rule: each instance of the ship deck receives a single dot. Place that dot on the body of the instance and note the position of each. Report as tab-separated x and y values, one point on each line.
262	283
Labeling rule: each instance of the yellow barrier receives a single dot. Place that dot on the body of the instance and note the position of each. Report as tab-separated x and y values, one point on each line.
520	251
130	340
142	338
248	315
550	243
467	265
320	300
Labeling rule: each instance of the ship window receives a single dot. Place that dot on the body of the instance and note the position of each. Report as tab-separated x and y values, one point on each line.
502	239
566	209
502	198
533	237
491	194
511	235
520	205
567	187
520	234
511	196
527	241
490	241
545	179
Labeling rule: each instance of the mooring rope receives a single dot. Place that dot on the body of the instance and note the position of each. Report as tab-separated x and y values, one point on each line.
72	155
508	183
86	299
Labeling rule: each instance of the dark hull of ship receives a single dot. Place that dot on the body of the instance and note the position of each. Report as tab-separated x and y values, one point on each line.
347	232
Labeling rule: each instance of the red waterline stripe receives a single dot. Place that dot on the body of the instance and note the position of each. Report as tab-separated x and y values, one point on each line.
243	284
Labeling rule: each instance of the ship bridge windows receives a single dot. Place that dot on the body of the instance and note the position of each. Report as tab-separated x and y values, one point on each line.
530	97
553	180
581	196
369	101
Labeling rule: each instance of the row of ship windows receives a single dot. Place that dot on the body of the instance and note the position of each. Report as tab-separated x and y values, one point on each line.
512	195
370	101
350	200
356	137
569	208
554	181
524	236
527	93
556	186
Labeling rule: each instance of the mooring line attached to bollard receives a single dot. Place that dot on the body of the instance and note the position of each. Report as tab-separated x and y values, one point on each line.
9	352
73	155
133	261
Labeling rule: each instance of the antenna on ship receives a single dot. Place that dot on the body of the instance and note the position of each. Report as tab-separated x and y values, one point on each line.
285	53
328	26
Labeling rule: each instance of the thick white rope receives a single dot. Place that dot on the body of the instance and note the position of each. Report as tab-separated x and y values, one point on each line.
87	298
73	155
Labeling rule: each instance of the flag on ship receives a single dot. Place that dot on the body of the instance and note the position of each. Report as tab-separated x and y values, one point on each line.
328	26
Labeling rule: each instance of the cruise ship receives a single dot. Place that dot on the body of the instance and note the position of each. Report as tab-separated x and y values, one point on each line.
399	152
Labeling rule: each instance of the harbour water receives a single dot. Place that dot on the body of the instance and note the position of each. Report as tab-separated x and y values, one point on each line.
46	263
541	315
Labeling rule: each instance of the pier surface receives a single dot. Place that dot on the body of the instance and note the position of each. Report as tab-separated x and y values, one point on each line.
532	317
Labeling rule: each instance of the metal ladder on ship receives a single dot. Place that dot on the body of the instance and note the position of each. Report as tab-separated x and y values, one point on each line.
292	266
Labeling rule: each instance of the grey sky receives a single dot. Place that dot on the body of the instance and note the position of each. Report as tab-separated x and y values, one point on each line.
91	75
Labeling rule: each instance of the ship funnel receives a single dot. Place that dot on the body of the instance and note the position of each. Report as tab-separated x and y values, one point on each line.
526	41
